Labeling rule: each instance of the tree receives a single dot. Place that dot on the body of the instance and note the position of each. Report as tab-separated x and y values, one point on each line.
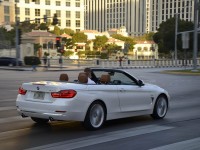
43	26
165	37
100	42
112	48
68	43
56	30
68	31
79	37
129	41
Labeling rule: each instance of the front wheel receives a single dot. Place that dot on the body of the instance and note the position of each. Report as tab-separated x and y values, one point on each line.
160	108
95	116
40	120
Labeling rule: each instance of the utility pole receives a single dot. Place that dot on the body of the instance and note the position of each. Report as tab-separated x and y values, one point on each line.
196	7
175	47
17	36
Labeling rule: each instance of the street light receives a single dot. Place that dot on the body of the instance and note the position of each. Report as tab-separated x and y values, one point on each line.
196	7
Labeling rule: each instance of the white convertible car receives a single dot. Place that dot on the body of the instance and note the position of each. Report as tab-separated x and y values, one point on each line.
116	94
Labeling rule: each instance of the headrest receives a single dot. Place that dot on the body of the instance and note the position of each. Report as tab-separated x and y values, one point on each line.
82	77
63	77
105	78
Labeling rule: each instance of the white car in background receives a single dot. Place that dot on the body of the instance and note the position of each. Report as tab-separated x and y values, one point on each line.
117	94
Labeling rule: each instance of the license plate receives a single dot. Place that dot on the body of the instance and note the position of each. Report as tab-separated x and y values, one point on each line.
38	95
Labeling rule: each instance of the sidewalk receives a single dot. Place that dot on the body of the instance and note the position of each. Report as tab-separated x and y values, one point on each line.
42	68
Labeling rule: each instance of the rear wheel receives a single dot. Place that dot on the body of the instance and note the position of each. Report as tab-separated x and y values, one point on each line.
40	120
160	108
95	116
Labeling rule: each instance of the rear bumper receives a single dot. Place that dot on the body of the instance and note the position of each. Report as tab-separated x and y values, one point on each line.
67	116
60	109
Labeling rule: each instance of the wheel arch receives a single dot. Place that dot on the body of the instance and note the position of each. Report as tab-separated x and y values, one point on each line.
165	95
100	101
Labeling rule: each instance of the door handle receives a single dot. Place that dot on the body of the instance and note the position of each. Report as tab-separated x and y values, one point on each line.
122	90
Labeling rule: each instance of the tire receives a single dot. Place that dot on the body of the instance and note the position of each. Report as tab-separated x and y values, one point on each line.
160	108
95	117
10	65
40	120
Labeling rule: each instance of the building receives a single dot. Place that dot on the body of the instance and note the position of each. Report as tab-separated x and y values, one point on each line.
138	16
70	13
145	50
103	15
158	11
7	12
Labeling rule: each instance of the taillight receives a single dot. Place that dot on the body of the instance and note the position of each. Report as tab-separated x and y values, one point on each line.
22	91
64	94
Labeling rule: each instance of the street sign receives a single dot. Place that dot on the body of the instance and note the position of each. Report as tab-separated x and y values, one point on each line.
185	40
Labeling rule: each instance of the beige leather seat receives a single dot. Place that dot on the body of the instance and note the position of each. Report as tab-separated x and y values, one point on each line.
105	79
83	77
64	77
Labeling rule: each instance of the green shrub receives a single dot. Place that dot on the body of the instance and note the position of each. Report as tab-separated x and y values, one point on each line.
32	60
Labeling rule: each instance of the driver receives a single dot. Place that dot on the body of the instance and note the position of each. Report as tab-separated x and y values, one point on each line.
89	73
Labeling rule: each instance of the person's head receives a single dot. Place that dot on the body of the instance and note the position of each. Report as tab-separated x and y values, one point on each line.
88	71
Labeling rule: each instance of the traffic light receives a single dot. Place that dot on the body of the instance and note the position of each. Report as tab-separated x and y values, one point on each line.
19	36
60	50
55	20
58	44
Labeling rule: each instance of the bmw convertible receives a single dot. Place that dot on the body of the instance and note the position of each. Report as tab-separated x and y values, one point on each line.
116	94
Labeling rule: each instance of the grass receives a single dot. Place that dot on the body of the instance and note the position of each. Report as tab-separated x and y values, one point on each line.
184	72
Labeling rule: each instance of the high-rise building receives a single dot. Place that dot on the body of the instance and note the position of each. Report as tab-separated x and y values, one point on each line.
103	15
138	16
70	13
158	11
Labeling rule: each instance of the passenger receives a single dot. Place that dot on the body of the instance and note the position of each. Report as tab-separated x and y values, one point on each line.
88	71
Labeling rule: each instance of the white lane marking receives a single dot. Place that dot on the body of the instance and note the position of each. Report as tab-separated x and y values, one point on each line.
193	144
8	100
97	139
12	119
8	108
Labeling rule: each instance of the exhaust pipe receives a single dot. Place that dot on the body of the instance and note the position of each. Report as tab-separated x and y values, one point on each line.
51	119
24	116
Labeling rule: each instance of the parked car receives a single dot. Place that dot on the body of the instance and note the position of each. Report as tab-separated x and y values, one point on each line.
117	94
9	61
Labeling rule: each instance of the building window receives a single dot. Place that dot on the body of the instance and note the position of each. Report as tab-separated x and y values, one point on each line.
37	20
17	11
48	13
27	19
77	4
59	22
37	12
68	23
27	1
58	12
78	14
68	14
37	1
6	10
78	23
47	2
7	18
27	11
57	3
68	4
78	30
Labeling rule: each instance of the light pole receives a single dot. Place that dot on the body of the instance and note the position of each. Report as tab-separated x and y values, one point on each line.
196	6
176	31
17	36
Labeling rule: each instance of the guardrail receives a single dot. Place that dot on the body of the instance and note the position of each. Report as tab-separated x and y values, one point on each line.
124	63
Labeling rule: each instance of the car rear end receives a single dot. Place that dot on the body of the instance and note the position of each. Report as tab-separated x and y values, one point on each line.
51	100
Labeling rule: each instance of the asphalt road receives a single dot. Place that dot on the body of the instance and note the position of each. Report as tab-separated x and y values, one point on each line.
178	131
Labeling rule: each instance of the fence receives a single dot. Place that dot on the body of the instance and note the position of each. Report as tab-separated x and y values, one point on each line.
125	63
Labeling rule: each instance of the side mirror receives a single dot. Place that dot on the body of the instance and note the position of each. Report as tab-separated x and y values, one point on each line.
140	83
